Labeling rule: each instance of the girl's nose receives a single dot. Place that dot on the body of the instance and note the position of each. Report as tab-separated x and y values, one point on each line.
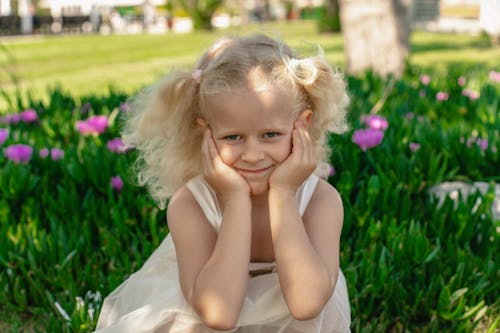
253	152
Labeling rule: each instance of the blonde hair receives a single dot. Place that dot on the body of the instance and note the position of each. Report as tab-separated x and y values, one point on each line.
162	122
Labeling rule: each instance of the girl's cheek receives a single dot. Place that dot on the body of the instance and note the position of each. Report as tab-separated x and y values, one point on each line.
227	154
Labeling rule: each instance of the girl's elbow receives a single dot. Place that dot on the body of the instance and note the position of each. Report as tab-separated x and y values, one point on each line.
306	311
311	307
217	317
219	322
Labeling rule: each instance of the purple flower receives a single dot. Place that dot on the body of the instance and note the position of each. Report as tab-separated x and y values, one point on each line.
124	107
375	122
494	76
470	141
483	143
93	125
410	115
84	109
421	93
18	153
117	183
442	96
425	79
414	146
4	134
29	116
116	145
44	152
367	138
56	154
461	81
11	118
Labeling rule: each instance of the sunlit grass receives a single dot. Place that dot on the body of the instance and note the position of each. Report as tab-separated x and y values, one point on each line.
84	64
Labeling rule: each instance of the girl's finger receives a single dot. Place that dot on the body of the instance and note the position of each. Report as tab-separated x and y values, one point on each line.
309	146
212	149
205	158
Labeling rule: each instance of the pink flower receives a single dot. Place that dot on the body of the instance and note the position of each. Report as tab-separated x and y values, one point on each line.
472	94
461	81
494	76
367	138
410	115
117	183
414	146
375	122
442	96
29	116
93	125
56	154
421	93
425	79
18	153
4	134
116	145
44	152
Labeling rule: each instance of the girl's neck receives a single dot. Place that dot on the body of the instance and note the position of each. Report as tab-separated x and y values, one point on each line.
260	199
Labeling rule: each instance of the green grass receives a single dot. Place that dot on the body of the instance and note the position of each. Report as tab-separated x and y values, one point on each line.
84	64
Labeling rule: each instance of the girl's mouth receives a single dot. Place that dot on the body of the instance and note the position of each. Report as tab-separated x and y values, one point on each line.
253	171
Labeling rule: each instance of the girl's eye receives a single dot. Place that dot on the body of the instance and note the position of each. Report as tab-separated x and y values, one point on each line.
232	137
271	134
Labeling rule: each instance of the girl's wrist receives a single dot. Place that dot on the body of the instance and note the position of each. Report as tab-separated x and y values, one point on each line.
235	199
285	191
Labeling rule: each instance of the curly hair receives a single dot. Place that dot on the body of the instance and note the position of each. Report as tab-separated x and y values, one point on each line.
162	122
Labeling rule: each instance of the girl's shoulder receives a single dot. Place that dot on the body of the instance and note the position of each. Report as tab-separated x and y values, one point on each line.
326	190
181	206
185	216
181	198
325	199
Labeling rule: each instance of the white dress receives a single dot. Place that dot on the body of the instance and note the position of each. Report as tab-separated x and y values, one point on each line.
151	301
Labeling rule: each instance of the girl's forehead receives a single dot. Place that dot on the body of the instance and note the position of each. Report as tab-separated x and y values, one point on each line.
248	106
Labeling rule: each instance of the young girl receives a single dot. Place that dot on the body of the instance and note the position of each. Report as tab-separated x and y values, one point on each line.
254	233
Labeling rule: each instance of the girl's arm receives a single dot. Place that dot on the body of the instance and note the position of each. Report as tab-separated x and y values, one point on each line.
306	249
213	269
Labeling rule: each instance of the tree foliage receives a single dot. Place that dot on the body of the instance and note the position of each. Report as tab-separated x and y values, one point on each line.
201	11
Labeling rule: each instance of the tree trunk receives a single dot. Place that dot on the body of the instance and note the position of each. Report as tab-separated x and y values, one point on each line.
376	35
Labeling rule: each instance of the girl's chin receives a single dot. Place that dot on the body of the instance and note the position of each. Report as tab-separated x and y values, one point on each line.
258	188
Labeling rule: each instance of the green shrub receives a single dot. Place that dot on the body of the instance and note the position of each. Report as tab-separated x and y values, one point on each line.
68	238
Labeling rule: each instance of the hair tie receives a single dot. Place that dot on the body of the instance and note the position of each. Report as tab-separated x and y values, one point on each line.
197	75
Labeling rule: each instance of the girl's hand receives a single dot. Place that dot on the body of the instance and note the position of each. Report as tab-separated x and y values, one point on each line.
298	166
226	181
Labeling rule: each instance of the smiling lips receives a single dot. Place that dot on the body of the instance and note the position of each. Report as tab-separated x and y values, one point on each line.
253	172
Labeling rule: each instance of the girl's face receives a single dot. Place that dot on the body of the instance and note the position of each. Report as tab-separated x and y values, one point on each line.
252	130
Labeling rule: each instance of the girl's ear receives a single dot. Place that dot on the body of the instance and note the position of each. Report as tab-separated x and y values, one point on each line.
201	122
305	117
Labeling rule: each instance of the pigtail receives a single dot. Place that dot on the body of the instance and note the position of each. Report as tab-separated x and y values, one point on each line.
161	126
326	95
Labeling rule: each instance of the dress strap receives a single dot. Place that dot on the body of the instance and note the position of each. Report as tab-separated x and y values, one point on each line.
305	192
207	199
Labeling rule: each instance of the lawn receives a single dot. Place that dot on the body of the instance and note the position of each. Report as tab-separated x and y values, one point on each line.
85	64
70	233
